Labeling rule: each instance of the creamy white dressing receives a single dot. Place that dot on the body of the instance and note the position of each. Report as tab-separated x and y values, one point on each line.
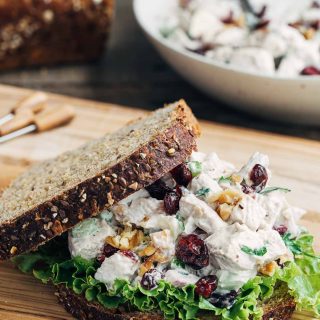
233	280
87	240
225	248
162	221
180	278
165	242
137	211
203	180
230	239
284	46
214	167
198	214
118	266
248	212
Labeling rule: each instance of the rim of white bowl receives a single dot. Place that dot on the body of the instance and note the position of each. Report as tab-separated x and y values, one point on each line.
195	56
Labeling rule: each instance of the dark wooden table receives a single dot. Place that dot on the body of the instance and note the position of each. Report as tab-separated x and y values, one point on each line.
132	73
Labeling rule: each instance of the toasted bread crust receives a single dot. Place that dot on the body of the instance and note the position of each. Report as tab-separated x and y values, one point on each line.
278	308
146	165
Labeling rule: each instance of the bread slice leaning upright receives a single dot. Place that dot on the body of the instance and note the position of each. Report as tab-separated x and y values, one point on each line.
55	195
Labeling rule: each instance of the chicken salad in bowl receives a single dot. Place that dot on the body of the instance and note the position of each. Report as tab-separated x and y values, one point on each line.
287	98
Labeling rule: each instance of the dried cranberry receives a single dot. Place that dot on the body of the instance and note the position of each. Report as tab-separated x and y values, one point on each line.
229	19
206	285
261	24
171	201
316	25
259	177
158	189
202	49
182	175
192	250
281	229
245	188
262	12
295	25
150	279
310	71
223	300
107	252
184	3
130	254
101	258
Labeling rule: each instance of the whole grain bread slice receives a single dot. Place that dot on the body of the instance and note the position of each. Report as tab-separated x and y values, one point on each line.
55	195
279	307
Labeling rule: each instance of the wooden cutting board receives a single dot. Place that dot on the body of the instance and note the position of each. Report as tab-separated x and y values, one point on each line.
295	164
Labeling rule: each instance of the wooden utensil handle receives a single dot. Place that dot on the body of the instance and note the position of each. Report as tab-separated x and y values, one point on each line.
54	117
19	121
34	103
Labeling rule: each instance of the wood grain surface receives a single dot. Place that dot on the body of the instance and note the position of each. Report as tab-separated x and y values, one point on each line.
132	73
294	162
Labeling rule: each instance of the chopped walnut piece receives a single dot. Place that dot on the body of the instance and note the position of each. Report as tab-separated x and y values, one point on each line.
224	211
228	196
146	266
147	251
269	269
236	178
309	33
127	239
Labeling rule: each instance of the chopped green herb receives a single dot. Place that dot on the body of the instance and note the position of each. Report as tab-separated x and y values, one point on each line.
224	179
195	168
203	192
176	263
294	246
254	252
181	221
271	189
291	244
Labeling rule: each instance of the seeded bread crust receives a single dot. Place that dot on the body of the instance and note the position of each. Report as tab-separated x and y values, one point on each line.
86	199
279	307
39	32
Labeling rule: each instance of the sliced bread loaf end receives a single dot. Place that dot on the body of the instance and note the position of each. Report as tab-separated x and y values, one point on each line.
55	195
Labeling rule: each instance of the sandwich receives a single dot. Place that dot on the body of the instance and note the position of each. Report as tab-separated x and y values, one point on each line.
140	225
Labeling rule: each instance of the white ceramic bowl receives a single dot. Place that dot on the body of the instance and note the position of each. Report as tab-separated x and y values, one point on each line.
296	100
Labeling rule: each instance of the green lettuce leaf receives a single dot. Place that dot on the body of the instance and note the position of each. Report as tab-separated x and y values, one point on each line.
52	263
303	275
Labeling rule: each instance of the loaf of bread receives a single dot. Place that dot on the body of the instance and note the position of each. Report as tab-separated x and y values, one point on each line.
46	32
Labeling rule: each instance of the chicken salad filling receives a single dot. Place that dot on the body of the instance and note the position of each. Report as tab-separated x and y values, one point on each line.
219	207
267	37
206	236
